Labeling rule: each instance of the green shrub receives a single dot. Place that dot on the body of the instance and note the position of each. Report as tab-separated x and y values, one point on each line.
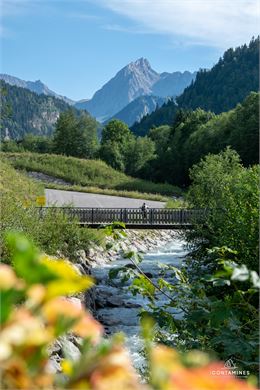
50	232
230	193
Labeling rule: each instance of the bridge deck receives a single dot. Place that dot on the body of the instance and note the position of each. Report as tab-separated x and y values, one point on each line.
133	218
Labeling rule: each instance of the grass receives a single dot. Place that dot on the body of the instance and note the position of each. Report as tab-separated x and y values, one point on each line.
177	203
17	185
91	174
52	233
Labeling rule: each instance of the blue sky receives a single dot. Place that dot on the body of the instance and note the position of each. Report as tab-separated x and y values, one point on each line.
75	46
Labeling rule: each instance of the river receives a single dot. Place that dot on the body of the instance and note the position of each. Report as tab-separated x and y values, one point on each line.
117	308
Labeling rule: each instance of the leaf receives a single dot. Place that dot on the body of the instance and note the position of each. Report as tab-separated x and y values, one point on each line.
113	272
26	260
221	282
255	279
129	255
240	273
109	245
68	280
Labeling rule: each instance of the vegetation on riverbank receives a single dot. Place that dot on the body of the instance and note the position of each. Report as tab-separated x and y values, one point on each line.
49	232
217	289
93	173
35	313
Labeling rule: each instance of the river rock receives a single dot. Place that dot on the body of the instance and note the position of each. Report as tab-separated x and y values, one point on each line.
114	301
53	365
70	350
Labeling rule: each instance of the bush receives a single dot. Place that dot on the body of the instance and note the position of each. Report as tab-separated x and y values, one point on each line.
213	309
50	232
230	194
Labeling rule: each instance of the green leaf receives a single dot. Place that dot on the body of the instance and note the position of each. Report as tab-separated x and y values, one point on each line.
255	279
113	272
26	260
240	273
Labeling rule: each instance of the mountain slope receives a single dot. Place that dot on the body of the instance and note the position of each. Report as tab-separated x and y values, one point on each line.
138	108
234	76
220	89
162	116
29	112
172	84
34	86
130	82
134	80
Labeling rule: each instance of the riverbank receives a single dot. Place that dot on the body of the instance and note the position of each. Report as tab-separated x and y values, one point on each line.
94	260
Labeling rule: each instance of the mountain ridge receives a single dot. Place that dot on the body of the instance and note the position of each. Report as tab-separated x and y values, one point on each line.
36	86
134	80
138	108
29	112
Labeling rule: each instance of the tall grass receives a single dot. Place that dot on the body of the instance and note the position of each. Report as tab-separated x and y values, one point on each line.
87	173
52	233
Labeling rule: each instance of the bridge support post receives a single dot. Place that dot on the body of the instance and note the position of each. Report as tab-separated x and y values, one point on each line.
125	216
151	216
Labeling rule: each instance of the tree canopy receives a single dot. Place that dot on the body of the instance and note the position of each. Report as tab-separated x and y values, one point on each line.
75	136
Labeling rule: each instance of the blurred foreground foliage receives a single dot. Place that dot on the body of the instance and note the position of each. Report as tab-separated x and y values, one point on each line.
35	312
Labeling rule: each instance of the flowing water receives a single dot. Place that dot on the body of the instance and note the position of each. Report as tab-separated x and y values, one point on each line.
117	308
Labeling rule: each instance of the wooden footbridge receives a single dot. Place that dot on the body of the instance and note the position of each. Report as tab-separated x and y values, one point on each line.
133	218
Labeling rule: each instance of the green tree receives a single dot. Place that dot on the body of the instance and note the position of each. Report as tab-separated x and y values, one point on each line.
139	153
116	138
230	194
75	136
62	142
88	127
185	124
37	143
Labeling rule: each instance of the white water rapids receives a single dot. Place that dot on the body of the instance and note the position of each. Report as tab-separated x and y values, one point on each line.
117	308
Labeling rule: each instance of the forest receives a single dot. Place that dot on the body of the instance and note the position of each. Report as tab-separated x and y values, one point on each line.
164	155
219	89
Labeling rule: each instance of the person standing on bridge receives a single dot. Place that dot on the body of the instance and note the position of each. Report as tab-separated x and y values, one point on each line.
144	209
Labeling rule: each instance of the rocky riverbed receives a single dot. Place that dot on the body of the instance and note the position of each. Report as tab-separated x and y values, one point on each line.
112	305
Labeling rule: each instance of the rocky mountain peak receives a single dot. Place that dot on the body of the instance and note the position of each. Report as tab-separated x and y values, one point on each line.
136	79
142	63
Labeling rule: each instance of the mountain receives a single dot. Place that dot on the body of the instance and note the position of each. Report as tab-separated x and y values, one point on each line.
138	108
25	112
219	89
34	86
134	80
161	116
234	76
172	84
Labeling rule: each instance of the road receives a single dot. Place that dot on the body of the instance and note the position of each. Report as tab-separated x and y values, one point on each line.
81	199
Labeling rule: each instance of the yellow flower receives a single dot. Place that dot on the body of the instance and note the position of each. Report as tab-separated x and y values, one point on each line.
68	281
85	325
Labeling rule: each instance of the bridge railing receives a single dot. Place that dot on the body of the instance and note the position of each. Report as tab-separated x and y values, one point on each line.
131	216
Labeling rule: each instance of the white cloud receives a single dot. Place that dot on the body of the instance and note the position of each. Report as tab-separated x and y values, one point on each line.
83	16
126	29
220	23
